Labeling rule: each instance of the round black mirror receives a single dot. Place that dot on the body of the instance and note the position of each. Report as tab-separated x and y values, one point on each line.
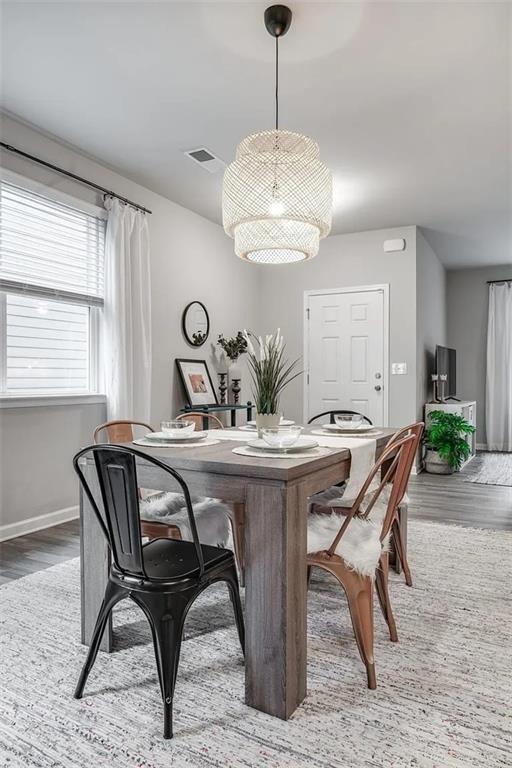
195	323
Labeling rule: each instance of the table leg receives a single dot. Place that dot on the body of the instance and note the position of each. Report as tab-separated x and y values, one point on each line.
275	577
94	566
249	411
233	418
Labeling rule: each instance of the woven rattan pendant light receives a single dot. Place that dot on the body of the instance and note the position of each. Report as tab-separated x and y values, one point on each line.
277	195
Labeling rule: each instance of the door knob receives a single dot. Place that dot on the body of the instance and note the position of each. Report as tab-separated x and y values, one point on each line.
378	388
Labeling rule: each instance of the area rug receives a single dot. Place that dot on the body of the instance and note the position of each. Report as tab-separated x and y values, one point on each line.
443	696
490	468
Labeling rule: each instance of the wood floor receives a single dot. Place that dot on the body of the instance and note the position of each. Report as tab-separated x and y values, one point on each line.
432	497
452	499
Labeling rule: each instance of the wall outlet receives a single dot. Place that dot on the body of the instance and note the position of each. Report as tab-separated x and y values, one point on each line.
398	369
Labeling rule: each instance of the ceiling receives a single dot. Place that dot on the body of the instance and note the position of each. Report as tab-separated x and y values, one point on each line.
409	101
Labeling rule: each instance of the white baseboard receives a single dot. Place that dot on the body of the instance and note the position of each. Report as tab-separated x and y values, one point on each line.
32	524
481	446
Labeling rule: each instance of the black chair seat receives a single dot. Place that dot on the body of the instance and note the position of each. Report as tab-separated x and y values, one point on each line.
170	559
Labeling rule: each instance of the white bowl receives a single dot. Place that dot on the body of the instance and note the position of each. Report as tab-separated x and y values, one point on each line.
281	437
177	428
349	421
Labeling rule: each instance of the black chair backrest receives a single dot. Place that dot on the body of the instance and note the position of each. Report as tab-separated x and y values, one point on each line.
117	478
332	414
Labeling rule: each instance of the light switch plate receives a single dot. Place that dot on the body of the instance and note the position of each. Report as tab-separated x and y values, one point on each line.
398	369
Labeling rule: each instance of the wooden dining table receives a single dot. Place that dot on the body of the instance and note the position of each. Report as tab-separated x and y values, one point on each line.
275	493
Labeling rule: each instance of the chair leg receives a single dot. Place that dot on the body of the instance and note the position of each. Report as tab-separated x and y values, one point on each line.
382	588
238	531
359	592
166	615
401	552
309	571
234	593
113	594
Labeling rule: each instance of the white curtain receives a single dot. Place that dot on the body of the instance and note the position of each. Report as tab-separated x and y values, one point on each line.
498	398
127	314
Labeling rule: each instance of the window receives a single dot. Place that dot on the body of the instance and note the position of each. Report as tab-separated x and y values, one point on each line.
51	294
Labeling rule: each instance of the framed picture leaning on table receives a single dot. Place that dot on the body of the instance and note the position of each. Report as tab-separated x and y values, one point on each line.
197	382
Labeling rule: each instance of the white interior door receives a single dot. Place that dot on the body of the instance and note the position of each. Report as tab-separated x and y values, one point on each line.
346	343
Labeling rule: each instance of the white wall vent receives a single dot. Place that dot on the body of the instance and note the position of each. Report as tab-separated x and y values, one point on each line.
206	159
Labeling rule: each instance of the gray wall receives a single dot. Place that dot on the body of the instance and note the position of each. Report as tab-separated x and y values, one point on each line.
430	317
346	261
36	448
467	305
191	258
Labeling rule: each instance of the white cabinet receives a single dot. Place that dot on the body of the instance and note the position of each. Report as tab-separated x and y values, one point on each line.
466	409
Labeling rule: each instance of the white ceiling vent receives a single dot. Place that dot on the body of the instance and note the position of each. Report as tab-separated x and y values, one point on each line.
206	159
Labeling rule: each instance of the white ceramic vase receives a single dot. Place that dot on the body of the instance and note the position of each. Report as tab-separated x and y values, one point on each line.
265	420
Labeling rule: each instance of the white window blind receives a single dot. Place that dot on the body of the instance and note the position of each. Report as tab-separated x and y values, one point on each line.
51	293
47	347
47	247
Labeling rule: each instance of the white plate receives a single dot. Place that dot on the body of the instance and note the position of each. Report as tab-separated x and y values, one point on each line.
302	444
282	423
161	437
188	444
312	453
348	430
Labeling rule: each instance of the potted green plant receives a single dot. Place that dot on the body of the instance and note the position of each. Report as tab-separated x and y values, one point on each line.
271	372
445	442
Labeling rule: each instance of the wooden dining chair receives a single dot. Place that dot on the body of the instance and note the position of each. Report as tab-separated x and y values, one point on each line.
121	431
399	536
237	509
332	414
331	500
354	554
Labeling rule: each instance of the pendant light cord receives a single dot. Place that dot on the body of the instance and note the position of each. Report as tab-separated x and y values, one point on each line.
277	83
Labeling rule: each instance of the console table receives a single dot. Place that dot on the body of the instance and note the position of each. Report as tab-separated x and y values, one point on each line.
206	409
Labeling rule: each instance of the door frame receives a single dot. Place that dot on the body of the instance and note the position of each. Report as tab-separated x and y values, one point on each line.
384	288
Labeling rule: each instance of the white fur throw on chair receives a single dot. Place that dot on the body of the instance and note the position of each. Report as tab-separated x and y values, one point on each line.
212	516
360	545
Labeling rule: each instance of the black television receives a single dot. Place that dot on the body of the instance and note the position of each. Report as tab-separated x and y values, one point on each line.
446	364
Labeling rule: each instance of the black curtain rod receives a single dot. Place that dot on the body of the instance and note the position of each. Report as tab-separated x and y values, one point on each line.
503	280
81	180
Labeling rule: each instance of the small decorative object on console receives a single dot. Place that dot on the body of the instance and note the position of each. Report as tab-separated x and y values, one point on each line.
235	388
223	385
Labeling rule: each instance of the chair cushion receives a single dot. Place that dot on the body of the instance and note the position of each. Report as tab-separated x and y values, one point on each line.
212	516
171	559
360	545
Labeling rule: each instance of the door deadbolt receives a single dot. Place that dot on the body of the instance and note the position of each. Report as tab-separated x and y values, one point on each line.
378	388
378	375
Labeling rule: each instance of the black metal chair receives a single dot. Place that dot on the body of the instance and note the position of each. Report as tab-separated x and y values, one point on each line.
163	577
332	414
